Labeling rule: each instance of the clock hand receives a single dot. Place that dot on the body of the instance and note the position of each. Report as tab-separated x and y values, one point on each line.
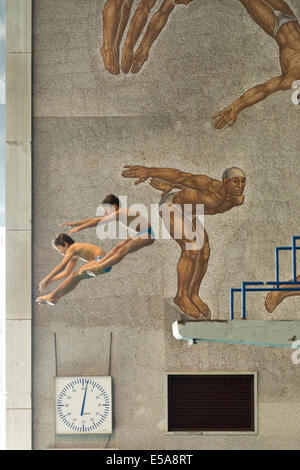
83	403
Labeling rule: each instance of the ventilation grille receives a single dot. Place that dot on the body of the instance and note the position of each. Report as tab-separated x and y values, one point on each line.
211	403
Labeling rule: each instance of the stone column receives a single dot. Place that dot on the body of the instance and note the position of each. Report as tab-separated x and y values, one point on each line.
18	224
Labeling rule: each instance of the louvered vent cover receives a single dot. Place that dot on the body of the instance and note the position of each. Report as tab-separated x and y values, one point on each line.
211	402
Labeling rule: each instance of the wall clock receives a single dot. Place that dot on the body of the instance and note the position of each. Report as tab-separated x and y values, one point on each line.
83	405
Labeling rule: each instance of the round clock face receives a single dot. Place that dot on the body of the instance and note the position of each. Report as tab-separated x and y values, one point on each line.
83	405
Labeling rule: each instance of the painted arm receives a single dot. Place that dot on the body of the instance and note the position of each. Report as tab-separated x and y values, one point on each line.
113	216
62	275
164	186
97	220
170	175
74	224
260	92
86	224
251	97
58	269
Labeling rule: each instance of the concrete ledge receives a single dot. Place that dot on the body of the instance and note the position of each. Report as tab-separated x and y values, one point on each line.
278	334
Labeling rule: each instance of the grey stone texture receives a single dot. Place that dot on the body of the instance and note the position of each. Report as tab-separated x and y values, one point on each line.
87	126
18	225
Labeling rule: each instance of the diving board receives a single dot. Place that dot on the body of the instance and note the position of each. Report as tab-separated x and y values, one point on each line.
271	333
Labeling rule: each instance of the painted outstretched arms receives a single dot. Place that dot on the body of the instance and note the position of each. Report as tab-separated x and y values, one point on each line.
170	175
74	224
87	223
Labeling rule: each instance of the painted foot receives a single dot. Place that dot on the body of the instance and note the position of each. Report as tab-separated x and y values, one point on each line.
84	273
110	60
225	117
46	300
272	301
187	307
127	58
202	307
90	274
140	57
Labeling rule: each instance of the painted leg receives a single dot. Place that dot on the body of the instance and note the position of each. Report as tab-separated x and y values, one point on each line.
115	255
201	268
111	20
182	231
136	27
185	269
126	9
281	5
64	288
156	25
262	14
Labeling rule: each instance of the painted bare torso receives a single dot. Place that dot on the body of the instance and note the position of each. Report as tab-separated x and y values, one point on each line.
86	251
214	203
288	40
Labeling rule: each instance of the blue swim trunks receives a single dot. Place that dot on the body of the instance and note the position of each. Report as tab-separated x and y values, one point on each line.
106	270
148	230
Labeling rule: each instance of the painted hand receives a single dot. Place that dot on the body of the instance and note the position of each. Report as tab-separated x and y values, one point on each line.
227	116
161	185
136	171
82	271
42	285
66	224
72	231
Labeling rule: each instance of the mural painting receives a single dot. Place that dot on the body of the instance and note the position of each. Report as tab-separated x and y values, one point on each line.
166	217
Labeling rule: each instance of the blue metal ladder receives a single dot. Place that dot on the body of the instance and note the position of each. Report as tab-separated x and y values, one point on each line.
254	286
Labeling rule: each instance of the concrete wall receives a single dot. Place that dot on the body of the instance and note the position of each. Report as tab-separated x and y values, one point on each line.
87	125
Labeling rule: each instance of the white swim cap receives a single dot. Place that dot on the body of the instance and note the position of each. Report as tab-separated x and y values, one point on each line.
233	172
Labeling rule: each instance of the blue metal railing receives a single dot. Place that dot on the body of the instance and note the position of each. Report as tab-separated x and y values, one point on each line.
252	286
